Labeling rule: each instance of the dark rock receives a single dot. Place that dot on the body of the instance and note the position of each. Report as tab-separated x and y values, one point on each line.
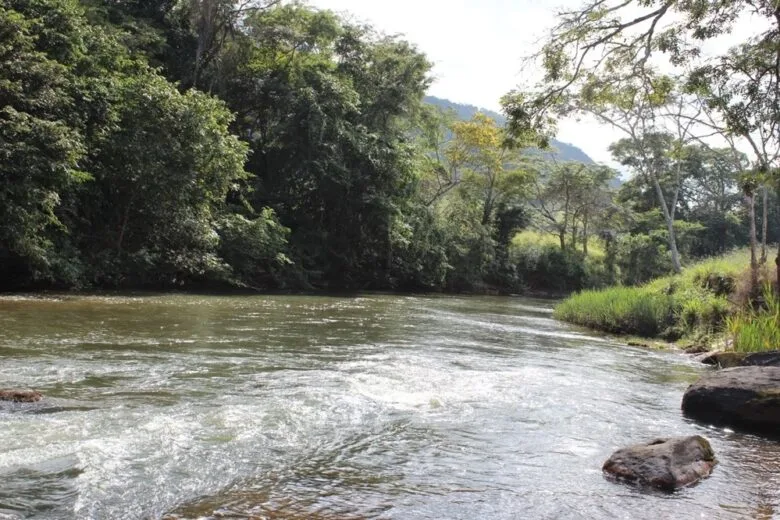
20	396
744	397
665	464
724	359
742	359
762	359
697	349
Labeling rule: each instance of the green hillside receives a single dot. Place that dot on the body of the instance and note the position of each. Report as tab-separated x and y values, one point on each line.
562	151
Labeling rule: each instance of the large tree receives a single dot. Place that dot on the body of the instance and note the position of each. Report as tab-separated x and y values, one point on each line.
613	42
324	106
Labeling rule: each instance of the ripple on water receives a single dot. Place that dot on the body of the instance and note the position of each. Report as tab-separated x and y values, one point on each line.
321	407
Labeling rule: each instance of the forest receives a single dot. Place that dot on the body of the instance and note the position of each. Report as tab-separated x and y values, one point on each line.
272	146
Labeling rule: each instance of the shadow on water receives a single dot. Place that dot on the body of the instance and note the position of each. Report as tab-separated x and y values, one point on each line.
47	490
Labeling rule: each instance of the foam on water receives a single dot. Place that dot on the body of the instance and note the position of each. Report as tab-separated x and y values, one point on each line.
321	407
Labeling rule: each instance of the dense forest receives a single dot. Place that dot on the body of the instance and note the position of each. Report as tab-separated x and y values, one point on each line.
270	145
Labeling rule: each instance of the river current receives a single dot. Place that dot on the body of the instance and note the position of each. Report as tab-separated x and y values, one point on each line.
300	407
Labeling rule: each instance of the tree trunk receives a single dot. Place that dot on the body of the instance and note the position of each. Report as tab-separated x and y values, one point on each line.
487	208
750	199
574	236
562	237
777	268
669	225
585	234
764	226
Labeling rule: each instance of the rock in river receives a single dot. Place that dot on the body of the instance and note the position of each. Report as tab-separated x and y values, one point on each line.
746	397
730	359
20	396
665	464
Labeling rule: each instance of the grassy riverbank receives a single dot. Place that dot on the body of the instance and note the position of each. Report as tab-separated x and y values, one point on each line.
707	301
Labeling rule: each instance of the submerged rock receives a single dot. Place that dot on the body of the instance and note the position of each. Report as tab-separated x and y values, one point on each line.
665	464
744	397
20	396
724	359
762	359
743	359
698	348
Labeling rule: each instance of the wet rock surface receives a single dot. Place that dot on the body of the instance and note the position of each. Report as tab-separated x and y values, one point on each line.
666	464
745	397
20	396
742	359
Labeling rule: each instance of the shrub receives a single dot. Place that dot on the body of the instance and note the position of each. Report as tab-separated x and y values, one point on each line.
548	267
641	258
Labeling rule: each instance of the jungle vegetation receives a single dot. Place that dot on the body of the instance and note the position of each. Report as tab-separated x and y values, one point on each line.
272	146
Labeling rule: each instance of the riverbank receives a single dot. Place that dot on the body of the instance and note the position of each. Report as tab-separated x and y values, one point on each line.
709	304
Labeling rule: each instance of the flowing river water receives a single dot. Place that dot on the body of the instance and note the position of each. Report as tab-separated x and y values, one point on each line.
300	407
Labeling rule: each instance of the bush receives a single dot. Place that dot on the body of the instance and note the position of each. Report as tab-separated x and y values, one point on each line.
253	248
641	258
548	267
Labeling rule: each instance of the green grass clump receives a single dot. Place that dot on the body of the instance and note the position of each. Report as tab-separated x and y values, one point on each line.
621	310
757	329
693	303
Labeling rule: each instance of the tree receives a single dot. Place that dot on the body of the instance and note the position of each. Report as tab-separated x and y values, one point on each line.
39	150
742	89
711	192
614	41
566	195
324	106
162	173
480	160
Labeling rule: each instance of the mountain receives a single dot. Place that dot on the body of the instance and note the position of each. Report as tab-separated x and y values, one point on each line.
563	151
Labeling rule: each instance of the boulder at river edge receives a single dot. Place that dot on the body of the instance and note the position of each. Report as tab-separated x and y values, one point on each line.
665	464
745	397
730	359
20	396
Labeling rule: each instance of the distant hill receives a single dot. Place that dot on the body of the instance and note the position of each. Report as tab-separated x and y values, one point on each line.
563	151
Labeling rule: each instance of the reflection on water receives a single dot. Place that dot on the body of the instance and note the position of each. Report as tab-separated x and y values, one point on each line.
292	407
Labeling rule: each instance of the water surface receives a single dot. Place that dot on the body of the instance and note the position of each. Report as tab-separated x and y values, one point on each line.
387	407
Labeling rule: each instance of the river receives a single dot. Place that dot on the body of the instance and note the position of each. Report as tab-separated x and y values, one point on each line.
387	407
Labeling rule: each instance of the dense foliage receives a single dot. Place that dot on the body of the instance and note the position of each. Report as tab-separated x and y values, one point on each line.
210	143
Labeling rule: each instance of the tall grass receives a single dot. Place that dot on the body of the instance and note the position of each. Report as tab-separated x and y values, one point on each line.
758	328
692	303
621	310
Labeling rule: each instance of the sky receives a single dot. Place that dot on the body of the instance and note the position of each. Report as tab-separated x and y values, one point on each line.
476	47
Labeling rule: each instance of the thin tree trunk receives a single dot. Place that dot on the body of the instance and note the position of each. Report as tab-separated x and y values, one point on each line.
751	202
585	234
122	228
574	236
777	268
669	225
764	225
562	237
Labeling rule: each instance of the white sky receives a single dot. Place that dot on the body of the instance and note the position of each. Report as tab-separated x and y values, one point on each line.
476	47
